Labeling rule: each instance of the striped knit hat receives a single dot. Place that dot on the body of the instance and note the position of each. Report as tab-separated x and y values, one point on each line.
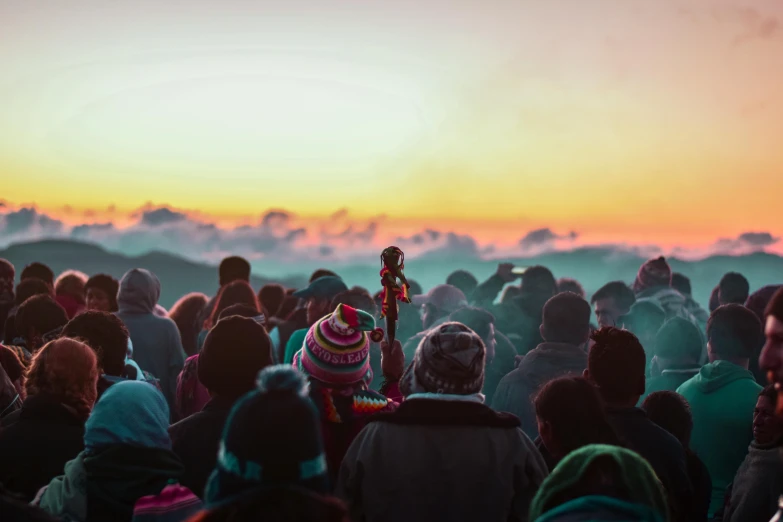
655	272
336	349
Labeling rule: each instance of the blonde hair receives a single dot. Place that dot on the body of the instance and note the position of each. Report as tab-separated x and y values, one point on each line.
68	370
71	282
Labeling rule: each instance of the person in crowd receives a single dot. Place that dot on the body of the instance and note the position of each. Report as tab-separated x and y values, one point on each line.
7	274
714	299
12	392
38	320
26	289
566	284
61	391
733	289
601	482
157	347
335	358
565	330
272	296
538	286
611	302
414	288
260	474
757	301
186	314
435	306
759	480
644	320
493	471
653	281
192	395
616	366
127	455
771	359
319	296
485	293
724	394
233	268
69	292
15	510
464	281
676	354
38	271
570	414
101	292
683	285
501	354
671	411
108	338
235	350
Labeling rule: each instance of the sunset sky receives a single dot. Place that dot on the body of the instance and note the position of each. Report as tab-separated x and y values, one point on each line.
637	122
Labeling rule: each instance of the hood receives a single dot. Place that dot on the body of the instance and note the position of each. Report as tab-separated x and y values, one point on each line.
139	292
718	374
550	360
670	299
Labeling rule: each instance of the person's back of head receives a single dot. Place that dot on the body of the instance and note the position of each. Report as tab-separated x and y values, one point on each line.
67	371
616	365
242	310
38	271
567	284
652	274
234	351
37	317
272	295
7	274
101	293
236	292
139	292
570	415
714	299
682	284
733	289
232	269
612	301
463	280
679	341
734	334
186	314
477	319
539	280
566	319
358	298
105	334
321	272
28	288
71	283
287	307
644	320
757	301
414	288
509	294
670	411
257	463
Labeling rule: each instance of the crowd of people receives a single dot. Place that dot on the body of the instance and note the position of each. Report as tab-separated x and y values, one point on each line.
516	398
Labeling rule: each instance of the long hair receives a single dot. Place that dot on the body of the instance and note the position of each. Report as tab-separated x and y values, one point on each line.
238	292
282	504
67	370
574	409
186	313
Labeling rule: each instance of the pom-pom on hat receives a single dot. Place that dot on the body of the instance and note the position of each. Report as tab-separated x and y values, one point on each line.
655	272
336	348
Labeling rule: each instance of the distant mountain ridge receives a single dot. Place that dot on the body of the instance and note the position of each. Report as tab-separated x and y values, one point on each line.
591	266
178	276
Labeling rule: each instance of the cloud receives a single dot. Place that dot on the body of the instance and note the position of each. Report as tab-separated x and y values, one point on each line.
434	244
29	222
84	231
544	238
753	25
161	216
745	243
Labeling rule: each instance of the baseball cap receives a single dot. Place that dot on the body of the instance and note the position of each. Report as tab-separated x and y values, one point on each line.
444	297
322	288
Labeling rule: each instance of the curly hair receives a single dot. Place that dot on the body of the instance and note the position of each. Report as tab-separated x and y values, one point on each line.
71	282
238	292
68	370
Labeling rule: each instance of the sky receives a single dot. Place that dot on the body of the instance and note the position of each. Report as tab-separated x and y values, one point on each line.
322	128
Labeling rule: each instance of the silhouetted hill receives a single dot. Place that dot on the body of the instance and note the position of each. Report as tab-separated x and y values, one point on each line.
178	276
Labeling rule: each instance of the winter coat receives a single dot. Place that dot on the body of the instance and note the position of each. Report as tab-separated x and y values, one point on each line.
36	447
157	347
757	485
196	439
441	460
722	398
548	361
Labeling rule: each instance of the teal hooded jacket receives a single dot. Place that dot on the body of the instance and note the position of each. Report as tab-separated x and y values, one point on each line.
722	397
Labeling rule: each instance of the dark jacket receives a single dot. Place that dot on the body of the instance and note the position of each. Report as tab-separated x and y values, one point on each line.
757	485
548	361
195	440
660	448
702	486
35	449
441	460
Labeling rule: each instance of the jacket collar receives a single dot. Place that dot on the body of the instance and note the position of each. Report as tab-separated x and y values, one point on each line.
48	408
428	412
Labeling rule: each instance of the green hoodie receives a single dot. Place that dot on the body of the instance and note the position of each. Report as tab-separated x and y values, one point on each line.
722	399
